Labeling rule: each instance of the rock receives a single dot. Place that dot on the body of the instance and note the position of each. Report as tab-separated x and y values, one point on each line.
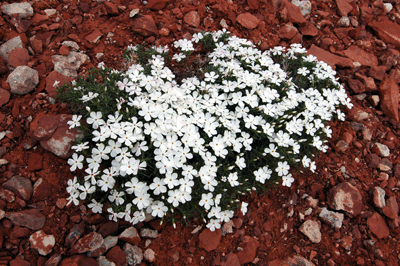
134	254
23	80
54	260
89	242
388	31
357	54
110	242
52	78
75	233
148	233
156	4
389	96
32	219
7	195
210	240
249	251
335	219
192	18
377	72
64	50
305	6
297	260
50	12
94	36
344	22
145	26
329	58
4	97
309	30
378	226
341	146
20	186
378	197
18	261
356	86
227	228
231	260
18	57
111	8
393	205
68	65
292	13
71	44
311	230
42	242
7	47
117	256
23	10
130	235
19	232
288	31
108	228
345	197
343	7
149	255
368	82
78	260
35	162
383	149
248	21
103	261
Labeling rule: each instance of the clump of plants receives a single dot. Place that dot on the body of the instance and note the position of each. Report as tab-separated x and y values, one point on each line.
160	141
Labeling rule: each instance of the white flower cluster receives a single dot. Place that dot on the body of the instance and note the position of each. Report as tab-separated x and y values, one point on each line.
191	141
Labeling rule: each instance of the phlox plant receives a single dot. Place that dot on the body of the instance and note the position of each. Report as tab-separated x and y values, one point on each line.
160	140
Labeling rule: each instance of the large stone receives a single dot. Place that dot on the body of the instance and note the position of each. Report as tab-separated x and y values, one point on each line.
32	219
7	47
329	58
248	21
345	197
52	78
249	251
378	226
23	80
111	8
209	240
20	185
192	18
130	235
18	57
357	54
387	30
42	242
117	256
134	255
389	96
292	13
68	65
343	7
311	230
94	36
145	26
89	242
23	10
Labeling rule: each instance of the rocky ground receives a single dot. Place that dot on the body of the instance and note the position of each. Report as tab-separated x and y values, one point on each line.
344	214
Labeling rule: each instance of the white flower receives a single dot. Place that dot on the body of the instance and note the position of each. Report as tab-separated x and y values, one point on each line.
214	224
95	120
86	189
206	200
240	162
142	200
75	162
159	209
117	197
75	121
96	207
282	169
158	186
287	180
243	207
174	197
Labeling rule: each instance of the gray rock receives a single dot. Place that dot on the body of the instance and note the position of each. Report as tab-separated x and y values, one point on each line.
103	261
384	150
379	197
335	219
110	241
134	254
305	6
148	233
344	22
2	214
68	65
89	242
73	45
8	46
50	12
149	255
23	10
23	80
311	230
227	228
19	185
297	260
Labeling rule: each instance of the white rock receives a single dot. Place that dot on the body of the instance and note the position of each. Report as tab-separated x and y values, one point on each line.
133	12
68	65
23	80
333	218
305	6
71	44
23	10
388	7
50	12
384	150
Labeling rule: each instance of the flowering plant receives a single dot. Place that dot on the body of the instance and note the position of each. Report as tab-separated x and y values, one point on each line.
193	141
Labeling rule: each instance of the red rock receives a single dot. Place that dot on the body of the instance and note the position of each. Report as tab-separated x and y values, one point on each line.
32	219
4	96
231	260
329	58
19	57
309	30
248	253
35	162
192	18
345	197
7	195
64	50
130	235
19	262
20	186
156	4
42	242
117	256
79	260
111	8
344	7
357	54
341	146
388	212
389	96
393	205
37	44
89	242
395	74
288	31
378	226
368	82
75	233
292	13
145	26
210	240
387	30
108	228
356	86
377	72
94	36
53	77
38	19
19	232
248	21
